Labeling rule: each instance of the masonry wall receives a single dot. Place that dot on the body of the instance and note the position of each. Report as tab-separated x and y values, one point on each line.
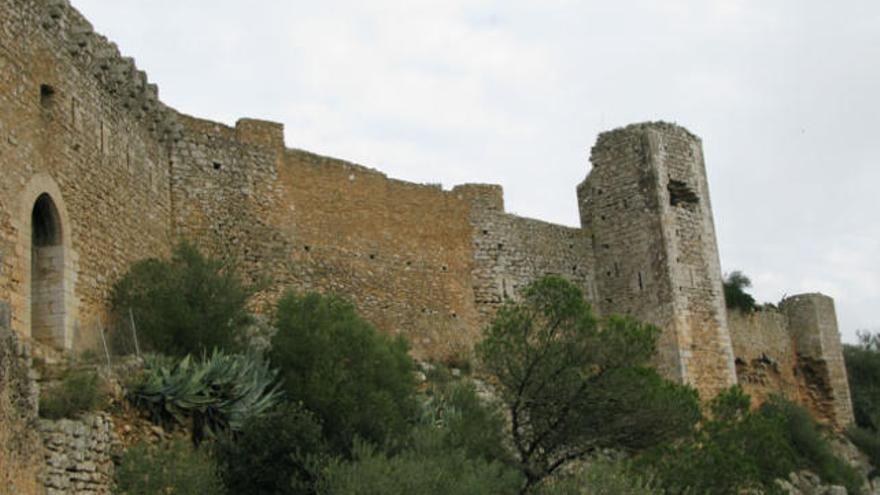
511	251
77	455
20	454
766	358
400	251
813	326
80	123
646	205
794	352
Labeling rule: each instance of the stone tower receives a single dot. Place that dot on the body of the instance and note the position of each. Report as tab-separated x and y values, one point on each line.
812	323
646	206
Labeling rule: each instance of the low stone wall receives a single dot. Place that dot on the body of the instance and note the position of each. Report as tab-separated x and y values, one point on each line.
19	444
77	454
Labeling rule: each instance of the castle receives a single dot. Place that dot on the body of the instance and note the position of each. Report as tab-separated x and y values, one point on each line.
96	173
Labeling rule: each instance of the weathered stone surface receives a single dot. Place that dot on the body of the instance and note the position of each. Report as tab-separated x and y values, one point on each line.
19	444
77	455
794	352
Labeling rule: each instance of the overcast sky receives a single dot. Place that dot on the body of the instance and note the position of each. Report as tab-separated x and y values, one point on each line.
784	94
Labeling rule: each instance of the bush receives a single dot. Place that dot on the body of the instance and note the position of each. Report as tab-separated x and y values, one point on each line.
735	284
863	370
740	450
216	393
812	447
868	442
79	392
359	382
280	453
573	386
171	468
427	468
189	304
602	476
465	422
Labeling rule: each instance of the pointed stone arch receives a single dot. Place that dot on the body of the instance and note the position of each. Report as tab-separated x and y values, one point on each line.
47	264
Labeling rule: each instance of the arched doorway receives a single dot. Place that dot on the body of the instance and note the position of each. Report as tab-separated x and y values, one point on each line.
47	273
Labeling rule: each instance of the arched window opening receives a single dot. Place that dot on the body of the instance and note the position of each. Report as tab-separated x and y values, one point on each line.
47	273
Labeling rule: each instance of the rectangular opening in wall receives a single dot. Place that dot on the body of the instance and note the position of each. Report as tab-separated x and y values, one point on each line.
47	95
680	194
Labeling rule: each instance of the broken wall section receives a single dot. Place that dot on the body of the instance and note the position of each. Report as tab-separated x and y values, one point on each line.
794	352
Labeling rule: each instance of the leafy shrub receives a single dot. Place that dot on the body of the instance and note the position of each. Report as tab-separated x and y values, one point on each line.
428	468
863	370
740	450
735	295
189	304
171	468
812	448
79	392
572	386
216	393
359	382
603	476
868	442
279	453
466	422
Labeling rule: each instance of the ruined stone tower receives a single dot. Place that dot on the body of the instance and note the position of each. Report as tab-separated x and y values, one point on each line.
646	206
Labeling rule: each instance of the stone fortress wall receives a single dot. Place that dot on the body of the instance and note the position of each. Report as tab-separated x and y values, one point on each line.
97	173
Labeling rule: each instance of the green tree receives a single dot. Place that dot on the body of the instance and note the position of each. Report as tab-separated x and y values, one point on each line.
735	295
189	304
358	381
572	386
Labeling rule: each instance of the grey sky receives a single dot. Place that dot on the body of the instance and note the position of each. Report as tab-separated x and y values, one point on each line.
784	94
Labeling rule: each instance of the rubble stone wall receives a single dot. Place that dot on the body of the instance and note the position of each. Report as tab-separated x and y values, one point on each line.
794	352
77	456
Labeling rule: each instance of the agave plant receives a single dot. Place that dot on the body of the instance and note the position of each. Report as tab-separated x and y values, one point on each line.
218	392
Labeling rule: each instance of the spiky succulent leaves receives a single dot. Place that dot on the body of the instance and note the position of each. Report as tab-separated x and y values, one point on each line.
218	392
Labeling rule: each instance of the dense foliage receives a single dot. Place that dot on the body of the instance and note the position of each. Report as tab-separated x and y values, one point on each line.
278	453
428	466
77	393
573	386
863	370
739	449
735	295
171	468
189	304
217	393
358	381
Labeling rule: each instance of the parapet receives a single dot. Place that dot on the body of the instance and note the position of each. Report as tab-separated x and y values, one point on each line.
95	55
487	197
260	132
